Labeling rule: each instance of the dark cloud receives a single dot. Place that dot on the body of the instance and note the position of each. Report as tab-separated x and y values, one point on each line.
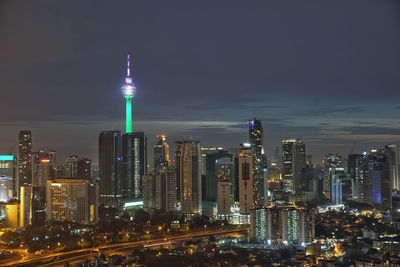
300	70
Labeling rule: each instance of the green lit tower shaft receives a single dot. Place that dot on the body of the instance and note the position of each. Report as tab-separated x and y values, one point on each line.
128	91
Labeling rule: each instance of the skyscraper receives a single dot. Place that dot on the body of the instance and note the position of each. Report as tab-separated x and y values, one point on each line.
211	173
375	184
393	154
24	157
110	160
255	132
190	176
134	165
246	195
293	160
41	168
333	166
165	196
161	153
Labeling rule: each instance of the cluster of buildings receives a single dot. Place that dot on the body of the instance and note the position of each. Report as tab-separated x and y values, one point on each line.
240	185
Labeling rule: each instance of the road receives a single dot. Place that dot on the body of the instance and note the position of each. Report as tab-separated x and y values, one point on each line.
83	254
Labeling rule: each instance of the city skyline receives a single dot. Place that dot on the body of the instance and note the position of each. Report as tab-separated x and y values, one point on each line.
239	69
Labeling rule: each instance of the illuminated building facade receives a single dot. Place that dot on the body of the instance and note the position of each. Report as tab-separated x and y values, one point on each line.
284	224
134	165
211	178
293	161
161	153
392	152
165	186
8	181
246	195
24	157
374	175
190	176
149	191
225	172
333	167
32	205
128	91
81	196
256	136
110	167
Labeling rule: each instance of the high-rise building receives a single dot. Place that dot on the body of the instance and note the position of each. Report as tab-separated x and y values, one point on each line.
293	161
110	160
165	185
353	163
72	166
393	154
246	192
333	165
161	153
81	196
286	224
32	205
134	165
24	157
159	190
84	168
225	171
256	136
41	168
189	157
211	158
374	179
149	191
8	180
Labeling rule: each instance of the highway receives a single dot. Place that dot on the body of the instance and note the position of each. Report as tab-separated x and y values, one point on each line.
83	254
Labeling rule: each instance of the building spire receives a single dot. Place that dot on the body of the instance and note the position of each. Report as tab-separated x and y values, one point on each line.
128	69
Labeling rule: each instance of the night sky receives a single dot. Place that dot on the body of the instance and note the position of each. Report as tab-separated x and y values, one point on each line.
327	72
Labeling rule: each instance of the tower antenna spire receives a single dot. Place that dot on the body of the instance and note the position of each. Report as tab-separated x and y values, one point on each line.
128	68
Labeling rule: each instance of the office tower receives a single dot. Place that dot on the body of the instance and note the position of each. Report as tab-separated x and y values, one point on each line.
24	157
246	194
393	155
293	160
211	173
161	153
134	165
189	157
331	164
177	165
8	180
375	184
165	185
53	163
84	168
224	198
310	177
225	172
255	135
81	196
41	168
337	180
128	91
149	191
352	170
72	166
110	149
32	205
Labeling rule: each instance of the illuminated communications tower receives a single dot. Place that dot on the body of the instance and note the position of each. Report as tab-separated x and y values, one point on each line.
128	91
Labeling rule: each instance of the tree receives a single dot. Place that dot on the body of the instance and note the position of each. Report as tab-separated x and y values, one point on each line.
141	217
